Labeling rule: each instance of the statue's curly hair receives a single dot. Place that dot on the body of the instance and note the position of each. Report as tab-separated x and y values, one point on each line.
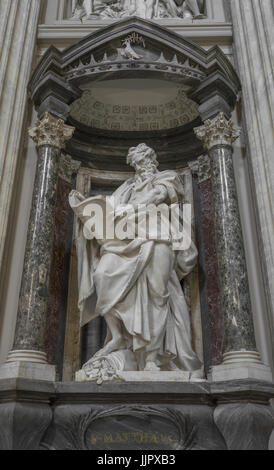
149	152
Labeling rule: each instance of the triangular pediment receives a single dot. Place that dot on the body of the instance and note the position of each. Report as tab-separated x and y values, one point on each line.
154	35
152	49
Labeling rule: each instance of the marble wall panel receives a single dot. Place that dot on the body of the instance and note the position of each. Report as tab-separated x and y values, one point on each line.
211	272
56	314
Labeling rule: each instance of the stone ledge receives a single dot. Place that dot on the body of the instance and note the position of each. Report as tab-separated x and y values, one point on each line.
204	393
27	370
241	370
65	33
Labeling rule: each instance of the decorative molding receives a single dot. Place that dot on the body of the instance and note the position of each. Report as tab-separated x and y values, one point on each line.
67	33
51	131
217	131
182	65
92	112
201	167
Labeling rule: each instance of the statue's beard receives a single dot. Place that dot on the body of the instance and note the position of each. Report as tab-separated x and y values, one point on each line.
145	169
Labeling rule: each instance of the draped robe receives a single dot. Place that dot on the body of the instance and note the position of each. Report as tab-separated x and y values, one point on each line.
124	278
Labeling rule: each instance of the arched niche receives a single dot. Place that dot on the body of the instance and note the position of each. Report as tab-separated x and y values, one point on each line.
130	82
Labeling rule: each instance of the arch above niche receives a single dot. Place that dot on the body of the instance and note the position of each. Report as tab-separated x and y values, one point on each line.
78	85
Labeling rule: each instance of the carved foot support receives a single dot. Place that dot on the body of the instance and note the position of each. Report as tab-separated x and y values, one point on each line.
245	426
23	425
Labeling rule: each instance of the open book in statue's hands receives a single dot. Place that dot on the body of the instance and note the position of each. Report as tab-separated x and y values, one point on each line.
92	212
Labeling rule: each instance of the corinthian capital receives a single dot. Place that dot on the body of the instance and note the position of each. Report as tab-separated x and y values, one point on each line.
51	131
217	131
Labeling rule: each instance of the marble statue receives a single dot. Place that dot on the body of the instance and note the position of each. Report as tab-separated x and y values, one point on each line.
90	9
192	8
148	9
135	283
178	8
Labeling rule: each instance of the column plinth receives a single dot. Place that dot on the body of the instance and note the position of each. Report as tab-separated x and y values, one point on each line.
241	358
50	135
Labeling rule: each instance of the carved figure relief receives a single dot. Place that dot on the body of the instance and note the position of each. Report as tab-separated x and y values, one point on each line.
149	9
127	50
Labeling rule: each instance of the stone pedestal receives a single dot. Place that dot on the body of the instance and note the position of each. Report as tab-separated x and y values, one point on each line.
27	357
240	350
135	416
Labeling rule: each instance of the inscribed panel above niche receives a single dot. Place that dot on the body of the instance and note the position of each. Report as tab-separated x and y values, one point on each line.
134	105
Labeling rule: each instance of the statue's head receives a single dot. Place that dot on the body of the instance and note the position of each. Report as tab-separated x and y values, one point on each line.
142	158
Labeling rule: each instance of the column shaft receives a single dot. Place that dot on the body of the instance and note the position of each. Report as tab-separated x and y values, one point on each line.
218	136
238	324
50	135
31	317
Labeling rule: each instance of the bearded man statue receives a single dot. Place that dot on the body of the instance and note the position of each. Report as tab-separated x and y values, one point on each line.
135	283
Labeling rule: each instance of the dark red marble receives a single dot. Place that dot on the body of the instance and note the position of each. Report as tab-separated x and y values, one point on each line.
56	288
211	268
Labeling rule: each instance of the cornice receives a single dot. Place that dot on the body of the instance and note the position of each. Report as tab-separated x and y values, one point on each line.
66	33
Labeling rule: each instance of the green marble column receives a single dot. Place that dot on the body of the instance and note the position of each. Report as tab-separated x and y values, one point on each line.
218	136
50	135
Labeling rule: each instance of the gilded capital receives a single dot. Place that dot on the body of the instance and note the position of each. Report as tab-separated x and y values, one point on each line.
217	131
51	131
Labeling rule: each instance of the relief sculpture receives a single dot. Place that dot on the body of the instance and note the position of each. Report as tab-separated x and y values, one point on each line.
148	9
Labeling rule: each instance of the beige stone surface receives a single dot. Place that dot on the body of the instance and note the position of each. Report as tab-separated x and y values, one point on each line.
254	49
241	371
27	370
18	28
18	25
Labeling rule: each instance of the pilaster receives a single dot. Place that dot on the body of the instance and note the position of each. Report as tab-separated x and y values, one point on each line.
18	27
254	38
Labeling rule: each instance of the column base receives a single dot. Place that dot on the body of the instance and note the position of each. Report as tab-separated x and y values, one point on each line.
27	370
26	355
27	364
239	365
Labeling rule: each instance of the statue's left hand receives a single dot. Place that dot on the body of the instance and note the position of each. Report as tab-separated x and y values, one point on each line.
76	195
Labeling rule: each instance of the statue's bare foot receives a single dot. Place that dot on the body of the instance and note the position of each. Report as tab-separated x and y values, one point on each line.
151	366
